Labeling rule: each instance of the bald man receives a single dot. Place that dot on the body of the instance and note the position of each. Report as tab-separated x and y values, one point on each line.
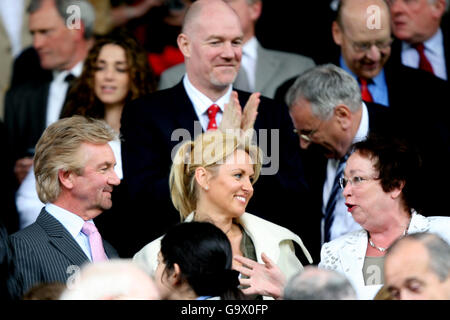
211	42
417	267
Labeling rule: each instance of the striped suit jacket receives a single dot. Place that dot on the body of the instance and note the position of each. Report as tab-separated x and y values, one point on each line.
46	252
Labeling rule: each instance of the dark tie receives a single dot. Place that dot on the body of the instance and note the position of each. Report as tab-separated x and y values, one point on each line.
424	63
334	196
212	111
365	93
70	79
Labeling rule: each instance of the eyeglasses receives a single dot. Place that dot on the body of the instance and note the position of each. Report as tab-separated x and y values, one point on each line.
362	47
307	134
354	181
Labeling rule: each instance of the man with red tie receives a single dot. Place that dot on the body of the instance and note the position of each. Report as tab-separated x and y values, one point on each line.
422	33
153	126
74	168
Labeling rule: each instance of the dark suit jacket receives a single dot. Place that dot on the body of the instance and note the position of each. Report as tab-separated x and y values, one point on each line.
45	250
147	125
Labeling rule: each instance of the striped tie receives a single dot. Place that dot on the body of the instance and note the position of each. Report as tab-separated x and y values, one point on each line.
334	196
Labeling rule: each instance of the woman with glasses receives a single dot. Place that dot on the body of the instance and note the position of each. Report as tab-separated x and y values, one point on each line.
381	188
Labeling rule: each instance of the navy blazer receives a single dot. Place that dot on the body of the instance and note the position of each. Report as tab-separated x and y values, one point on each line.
45	251
147	125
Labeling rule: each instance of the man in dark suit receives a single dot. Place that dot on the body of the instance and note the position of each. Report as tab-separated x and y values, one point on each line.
31	106
153	126
329	116
422	35
74	168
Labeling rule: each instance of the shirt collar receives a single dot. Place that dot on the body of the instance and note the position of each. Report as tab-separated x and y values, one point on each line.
434	44
72	222
60	75
363	128
378	80
200	101
250	48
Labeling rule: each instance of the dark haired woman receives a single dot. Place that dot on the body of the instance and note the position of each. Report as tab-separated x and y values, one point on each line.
195	264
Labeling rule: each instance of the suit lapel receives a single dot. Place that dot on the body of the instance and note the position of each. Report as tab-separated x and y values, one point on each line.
61	239
266	66
184	114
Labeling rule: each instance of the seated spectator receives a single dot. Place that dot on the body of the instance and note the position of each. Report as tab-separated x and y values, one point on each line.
115	72
417	267
195	263
111	280
74	167
212	179
318	284
380	189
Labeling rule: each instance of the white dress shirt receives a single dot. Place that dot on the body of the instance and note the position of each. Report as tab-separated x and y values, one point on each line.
202	103
249	59
434	50
343	221
58	91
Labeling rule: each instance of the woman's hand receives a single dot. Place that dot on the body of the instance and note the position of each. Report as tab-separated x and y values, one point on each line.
265	279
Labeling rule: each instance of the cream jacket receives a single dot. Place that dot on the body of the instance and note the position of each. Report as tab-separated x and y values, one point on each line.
275	241
346	254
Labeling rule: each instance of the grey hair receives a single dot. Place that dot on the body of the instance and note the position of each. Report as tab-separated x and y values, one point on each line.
319	284
438	250
87	12
325	87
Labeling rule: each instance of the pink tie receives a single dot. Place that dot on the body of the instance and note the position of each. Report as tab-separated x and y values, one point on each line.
212	111
95	241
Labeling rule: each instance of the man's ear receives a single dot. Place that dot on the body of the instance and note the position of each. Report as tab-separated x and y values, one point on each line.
255	10
397	191
183	44
337	33
438	8
343	115
66	178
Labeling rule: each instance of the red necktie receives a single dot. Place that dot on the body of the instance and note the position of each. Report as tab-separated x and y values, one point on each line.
212	111
365	93
424	63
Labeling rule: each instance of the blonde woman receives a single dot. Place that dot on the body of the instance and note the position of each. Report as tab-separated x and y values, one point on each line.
212	179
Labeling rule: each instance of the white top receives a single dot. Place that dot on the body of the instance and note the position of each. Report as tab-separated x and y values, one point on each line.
249	59
73	224
434	51
274	240
343	221
202	103
58	91
27	200
346	254
11	16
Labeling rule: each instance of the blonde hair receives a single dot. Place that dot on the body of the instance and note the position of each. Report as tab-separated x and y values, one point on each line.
57	150
208	150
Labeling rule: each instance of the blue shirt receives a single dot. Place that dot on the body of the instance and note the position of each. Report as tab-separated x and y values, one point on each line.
377	88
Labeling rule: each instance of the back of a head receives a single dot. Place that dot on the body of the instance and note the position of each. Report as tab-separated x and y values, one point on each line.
111	280
319	284
203	253
57	149
325	87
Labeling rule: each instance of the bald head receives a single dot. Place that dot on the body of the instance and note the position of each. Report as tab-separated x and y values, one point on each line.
364	13
204	8
418	267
